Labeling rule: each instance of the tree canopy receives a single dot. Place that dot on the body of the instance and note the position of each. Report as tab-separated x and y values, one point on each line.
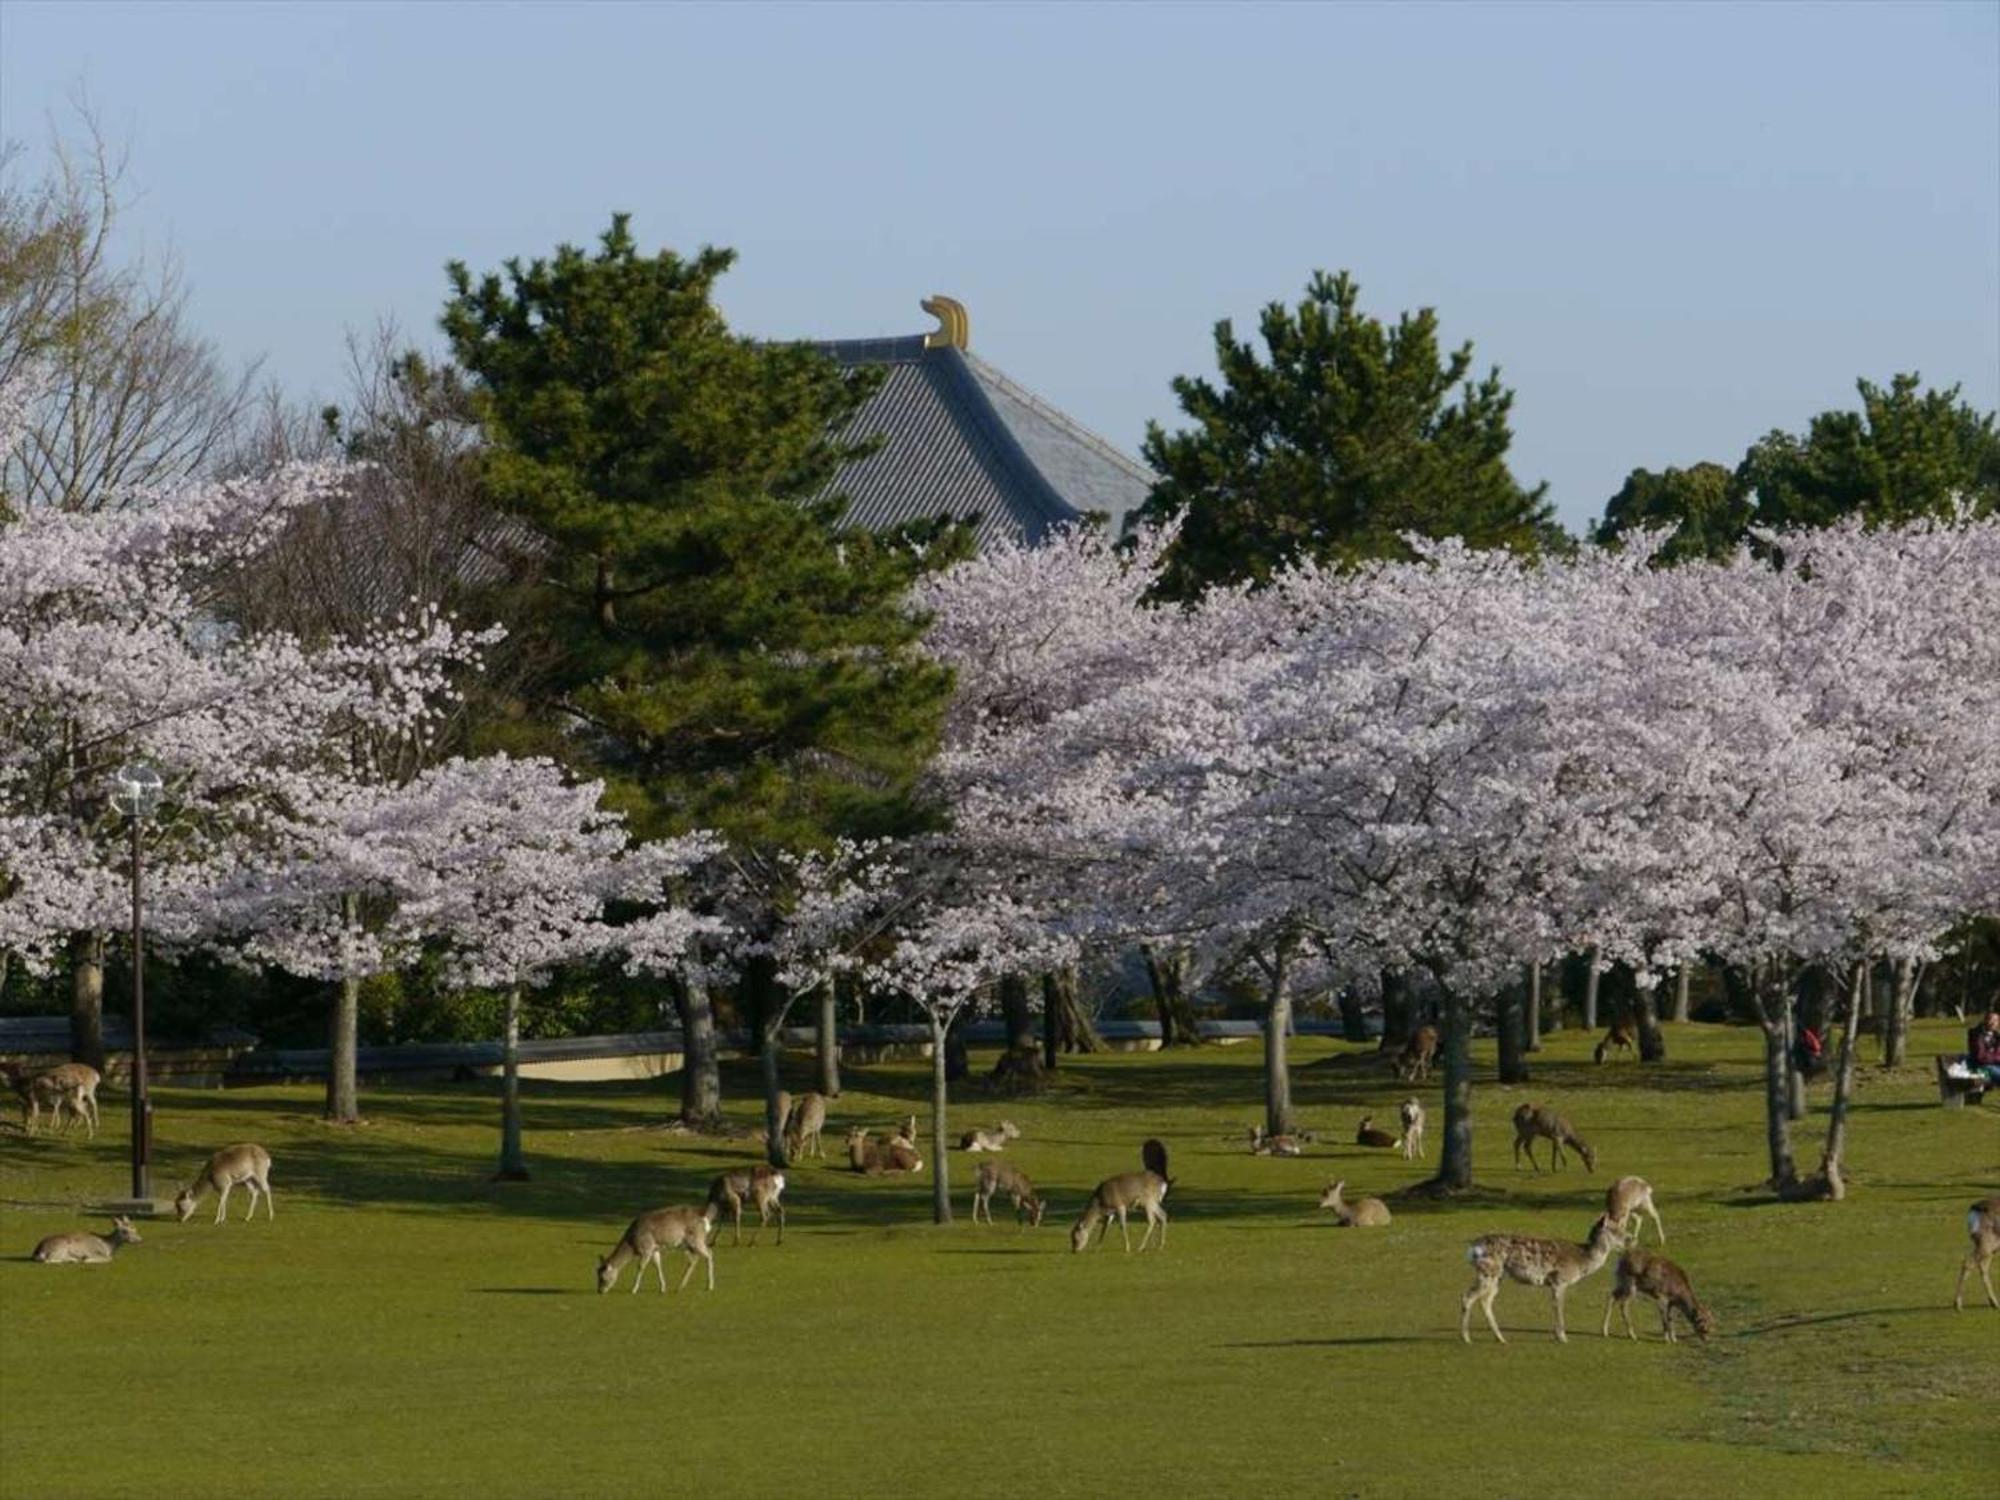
1703	503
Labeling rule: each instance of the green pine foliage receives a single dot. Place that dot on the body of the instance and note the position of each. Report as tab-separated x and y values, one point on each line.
1702	502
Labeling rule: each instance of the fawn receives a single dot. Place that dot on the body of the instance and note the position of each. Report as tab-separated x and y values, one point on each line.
245	1163
1625	1200
990	1140
808	1119
1533	1122
1362	1213
1617	1039
79	1248
1412	1112
1365	1134
760	1184
893	1155
1000	1177
1413	1064
684	1229
1262	1144
1661	1281
1532	1261
1983	1225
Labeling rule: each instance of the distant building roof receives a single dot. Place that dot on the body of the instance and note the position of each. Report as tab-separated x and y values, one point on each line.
961	439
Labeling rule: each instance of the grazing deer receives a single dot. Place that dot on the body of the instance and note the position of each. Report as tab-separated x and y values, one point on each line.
1413	1064
1532	1261
893	1155
1533	1122
1662	1282
1617	1039
1983	1225
67	1086
990	1140
1412	1142
1362	1213
1119	1195
1625	1200
1262	1144
78	1248
683	1229
1365	1134
808	1119
762	1185
1001	1177
244	1163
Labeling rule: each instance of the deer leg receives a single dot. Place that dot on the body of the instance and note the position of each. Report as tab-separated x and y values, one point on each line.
224	1202
1492	1290
251	1186
1562	1333
1609	1303
1124	1232
270	1208
641	1278
708	1255
1986	1277
780	1206
1154	1220
1658	1227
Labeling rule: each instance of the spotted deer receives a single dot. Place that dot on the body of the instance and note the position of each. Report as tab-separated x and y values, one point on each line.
649	1236
1982	1223
245	1163
1533	1122
876	1157
1413	1064
990	1140
808	1119
1617	1039
761	1185
1365	1134
1412	1142
1625	1200
1001	1177
78	1248
1532	1261
1362	1213
1660	1281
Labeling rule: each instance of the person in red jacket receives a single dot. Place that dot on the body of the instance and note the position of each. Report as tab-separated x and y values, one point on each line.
1983	1047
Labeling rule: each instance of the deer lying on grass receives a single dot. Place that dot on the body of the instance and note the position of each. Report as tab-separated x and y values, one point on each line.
1617	1039
244	1163
1362	1213
1365	1134
1413	1064
806	1120
1412	1142
1000	1177
1534	1122
1119	1195
893	1155
1625	1200
650	1235
1262	1144
1983	1225
78	1248
990	1140
1532	1261
68	1087
760	1184
1660	1281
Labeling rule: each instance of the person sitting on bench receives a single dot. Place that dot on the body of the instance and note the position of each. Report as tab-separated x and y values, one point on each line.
1809	1053
1982	1047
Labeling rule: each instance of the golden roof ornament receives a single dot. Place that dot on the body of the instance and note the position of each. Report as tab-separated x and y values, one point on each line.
954	330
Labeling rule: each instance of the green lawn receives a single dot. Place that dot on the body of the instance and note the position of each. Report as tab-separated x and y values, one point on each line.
406	1327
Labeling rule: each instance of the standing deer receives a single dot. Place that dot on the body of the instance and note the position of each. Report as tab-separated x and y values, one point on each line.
893	1155
1262	1144
760	1184
244	1163
1414	1063
1617	1039
67	1086
683	1229
808	1119
1365	1134
1001	1177
1362	1213
990	1140
1533	1122
79	1248
1983	1225
1660	1281
1119	1195
1532	1261
1413	1129
1625	1200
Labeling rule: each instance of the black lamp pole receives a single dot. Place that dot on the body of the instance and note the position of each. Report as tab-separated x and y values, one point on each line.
142	1104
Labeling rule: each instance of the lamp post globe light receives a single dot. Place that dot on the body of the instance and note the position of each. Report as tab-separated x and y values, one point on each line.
136	790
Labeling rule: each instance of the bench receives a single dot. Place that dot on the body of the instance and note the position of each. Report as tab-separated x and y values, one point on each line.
1954	1091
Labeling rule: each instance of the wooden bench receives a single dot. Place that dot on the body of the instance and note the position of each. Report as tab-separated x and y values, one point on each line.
1956	1093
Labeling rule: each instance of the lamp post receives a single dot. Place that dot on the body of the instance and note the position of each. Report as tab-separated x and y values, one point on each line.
135	791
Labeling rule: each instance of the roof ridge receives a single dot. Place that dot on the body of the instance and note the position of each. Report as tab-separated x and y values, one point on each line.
1054	414
1007	448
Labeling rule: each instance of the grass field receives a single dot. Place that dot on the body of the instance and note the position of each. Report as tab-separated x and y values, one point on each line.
408	1328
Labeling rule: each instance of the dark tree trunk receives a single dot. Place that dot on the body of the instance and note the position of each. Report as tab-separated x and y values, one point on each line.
1509	1005
701	1077
1769	996
1455	1162
770	1054
940	1168
513	1159
1652	1041
1353	1022
826	1040
1682	985
86	999
1896	1026
1074	1033
343	1092
1018	1013
957	1064
1397	1021
1167	973
1591	977
1051	1023
1843	1079
1277	1026
1532	1027
1795	1081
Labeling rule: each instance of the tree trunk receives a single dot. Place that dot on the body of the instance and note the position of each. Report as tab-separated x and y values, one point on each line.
1017	1012
1353	1023
701	1077
1795	1081
1051	1023
1532	1028
1590	994
1167	973
1770	999
1455	1162
1843	1078
957	1061
1509	1005
1060	995
774	1125
826	1040
940	1168
1682	984
513	1160
1652	1041
1277	1026
1896	1025
86	999
1396	1020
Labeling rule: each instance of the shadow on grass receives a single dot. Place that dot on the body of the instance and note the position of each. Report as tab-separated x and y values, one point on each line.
1785	1324
1358	1341
531	1291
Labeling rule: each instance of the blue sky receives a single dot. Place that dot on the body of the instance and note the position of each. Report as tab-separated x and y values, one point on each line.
1674	228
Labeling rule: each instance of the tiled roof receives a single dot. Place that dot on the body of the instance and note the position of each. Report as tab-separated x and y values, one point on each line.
961	439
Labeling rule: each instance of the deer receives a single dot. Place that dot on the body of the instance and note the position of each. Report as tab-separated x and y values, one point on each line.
245	1163
1982	1223
808	1119
1362	1213
79	1248
1001	1177
1535	1121
1264	1144
648	1236
906	1132
1412	1142
990	1140
1413	1064
66	1086
760	1184
1533	1261
1625	1200
1662	1282
892	1155
1365	1134
1617	1039
1118	1195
